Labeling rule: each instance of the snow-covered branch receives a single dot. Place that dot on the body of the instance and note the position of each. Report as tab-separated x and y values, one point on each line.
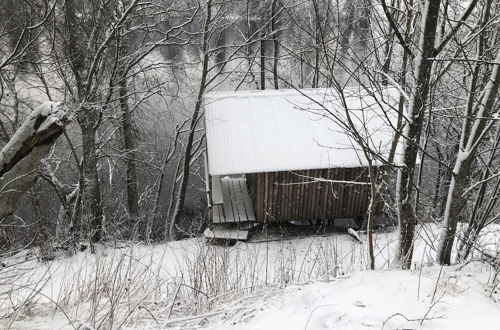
24	151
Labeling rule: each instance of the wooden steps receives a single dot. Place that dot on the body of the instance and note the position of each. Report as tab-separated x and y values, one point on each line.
226	234
235	206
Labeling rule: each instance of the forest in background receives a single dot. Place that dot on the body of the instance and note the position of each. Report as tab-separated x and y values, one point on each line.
133	75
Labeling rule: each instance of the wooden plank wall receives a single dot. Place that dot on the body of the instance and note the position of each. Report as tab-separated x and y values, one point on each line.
295	195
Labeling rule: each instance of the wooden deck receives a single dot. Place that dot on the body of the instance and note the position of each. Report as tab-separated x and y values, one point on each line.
236	204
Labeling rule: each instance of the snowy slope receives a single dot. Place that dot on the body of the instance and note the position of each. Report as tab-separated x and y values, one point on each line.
379	300
317	282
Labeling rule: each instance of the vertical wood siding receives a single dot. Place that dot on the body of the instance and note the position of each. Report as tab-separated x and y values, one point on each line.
295	195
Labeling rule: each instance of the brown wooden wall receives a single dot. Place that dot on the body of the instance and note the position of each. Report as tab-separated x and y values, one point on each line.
294	195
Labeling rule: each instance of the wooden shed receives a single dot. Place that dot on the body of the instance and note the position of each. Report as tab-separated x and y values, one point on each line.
287	155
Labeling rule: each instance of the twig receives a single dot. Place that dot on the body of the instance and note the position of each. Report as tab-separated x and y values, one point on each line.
315	309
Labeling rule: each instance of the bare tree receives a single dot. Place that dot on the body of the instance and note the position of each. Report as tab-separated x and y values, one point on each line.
478	120
415	114
211	76
194	121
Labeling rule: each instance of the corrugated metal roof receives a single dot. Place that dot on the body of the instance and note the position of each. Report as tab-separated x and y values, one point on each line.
281	130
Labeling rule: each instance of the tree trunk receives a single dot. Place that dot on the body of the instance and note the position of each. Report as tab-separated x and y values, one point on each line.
152	217
67	197
471	235
471	140
80	54
477	219
130	149
262	60
416	110
374	193
317	45
474	226
275	33
91	208
21	156
454	203
378	201
181	197
386	66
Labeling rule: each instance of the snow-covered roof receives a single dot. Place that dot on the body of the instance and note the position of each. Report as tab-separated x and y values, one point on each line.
284	130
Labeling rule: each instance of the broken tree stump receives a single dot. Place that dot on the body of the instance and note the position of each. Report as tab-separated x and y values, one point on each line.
20	157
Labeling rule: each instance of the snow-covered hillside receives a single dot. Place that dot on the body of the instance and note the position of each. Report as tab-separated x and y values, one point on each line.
378	300
305	283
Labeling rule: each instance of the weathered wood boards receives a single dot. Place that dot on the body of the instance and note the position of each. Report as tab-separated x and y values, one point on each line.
227	234
307	194
217	197
236	203
292	196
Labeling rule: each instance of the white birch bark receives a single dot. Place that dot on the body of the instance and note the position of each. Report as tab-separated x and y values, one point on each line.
482	123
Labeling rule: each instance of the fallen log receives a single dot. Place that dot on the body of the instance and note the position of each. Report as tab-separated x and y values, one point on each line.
20	157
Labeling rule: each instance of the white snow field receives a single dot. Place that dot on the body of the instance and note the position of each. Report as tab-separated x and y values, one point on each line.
318	282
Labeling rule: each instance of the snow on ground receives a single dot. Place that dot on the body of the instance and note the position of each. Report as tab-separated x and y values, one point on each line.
316	282
379	300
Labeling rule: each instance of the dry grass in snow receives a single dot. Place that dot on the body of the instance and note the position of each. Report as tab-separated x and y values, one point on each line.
308	283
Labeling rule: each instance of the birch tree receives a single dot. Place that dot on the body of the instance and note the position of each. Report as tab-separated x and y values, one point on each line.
424	54
480	117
